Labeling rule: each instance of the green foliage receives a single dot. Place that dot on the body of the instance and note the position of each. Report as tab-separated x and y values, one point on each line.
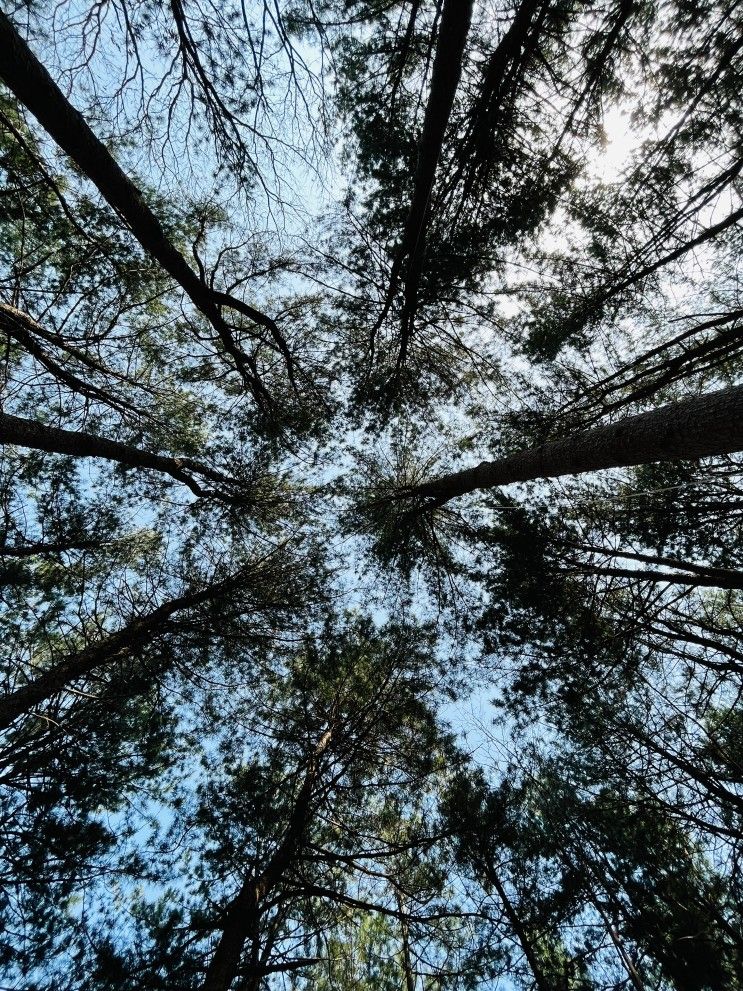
249	742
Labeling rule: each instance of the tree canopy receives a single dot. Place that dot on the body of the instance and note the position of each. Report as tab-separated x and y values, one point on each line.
371	513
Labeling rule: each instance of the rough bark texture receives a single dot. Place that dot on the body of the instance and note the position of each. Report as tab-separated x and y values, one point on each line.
119	645
27	78
693	428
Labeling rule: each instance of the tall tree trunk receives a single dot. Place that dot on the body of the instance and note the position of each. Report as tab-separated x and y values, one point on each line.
242	918
241	923
407	963
27	78
520	931
505	58
30	433
693	428
447	68
117	646
732	581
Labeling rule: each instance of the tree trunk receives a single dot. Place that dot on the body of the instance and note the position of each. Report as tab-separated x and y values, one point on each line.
241	922
506	56
30	433
693	428
243	915
118	645
447	68
56	547
520	931
27	78
732	581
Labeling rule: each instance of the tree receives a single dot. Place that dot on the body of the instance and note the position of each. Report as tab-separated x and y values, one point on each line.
695	428
625	896
366	366
288	834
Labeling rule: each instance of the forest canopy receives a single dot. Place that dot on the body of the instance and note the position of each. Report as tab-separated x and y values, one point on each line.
371	506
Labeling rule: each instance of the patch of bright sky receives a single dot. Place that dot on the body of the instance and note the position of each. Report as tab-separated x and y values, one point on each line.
606	162
298	169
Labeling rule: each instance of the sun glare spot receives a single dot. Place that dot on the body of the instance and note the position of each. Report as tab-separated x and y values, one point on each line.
608	161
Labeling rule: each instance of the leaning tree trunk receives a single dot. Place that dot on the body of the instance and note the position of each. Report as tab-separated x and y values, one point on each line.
27	78
115	647
19	432
243	915
690	429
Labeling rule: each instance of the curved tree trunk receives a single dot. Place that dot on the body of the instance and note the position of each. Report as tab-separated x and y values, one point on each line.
693	428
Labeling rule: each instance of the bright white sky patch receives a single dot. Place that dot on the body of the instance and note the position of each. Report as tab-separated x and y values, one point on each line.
607	163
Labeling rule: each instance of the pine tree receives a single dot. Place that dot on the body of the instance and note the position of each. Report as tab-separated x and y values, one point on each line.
365	365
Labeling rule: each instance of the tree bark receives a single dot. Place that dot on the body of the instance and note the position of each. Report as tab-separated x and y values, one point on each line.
502	71
242	917
447	68
690	429
27	78
30	433
520	931
117	646
56	547
407	963
506	56
732	581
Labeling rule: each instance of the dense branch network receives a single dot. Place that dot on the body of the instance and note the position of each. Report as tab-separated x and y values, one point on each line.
248	620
